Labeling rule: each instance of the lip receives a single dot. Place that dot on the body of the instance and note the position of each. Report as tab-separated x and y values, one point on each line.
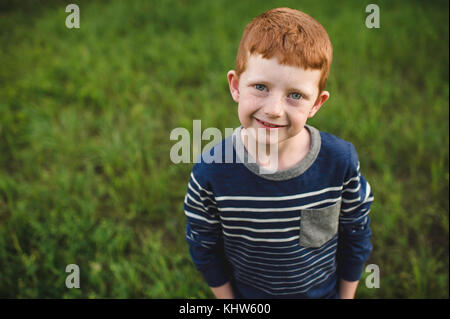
269	127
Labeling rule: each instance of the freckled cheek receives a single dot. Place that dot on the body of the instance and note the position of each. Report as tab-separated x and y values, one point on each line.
298	120
295	118
247	107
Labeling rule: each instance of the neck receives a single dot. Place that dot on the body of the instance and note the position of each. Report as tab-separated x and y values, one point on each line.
278	155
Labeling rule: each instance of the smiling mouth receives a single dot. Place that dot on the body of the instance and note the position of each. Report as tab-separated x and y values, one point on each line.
267	124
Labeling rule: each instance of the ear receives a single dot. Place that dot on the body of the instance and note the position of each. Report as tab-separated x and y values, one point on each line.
233	83
323	96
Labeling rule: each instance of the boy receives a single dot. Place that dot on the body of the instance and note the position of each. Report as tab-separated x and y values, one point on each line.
303	230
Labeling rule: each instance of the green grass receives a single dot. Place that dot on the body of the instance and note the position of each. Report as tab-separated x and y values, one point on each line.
86	114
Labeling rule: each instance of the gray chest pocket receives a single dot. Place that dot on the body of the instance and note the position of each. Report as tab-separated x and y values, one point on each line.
317	226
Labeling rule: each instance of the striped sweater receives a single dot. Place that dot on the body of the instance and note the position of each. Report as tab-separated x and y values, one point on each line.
289	234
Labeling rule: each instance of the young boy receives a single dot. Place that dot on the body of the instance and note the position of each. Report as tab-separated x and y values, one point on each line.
303	230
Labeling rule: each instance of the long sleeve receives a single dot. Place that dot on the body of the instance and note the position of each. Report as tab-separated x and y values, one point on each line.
203	231
354	229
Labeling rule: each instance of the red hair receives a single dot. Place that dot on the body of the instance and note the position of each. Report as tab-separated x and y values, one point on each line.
292	36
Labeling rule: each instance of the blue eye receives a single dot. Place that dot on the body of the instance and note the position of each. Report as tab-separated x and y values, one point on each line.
296	96
260	87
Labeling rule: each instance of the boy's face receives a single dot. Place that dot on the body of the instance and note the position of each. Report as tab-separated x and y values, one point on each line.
278	94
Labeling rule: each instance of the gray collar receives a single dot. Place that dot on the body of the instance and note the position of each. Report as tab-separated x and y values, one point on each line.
279	175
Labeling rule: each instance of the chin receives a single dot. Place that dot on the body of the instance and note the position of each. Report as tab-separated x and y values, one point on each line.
263	136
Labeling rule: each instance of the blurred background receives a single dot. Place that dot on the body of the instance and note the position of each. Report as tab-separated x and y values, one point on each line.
86	115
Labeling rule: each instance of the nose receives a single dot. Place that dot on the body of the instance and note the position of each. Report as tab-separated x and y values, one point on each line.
274	108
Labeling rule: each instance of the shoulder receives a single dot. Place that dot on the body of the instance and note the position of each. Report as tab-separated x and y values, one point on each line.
210	162
337	149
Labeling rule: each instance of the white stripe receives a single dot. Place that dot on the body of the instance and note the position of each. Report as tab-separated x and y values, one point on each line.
269	230
239	242
305	261
367	200
306	275
201	243
195	201
202	208
268	220
241	249
348	220
283	209
195	181
246	272
288	265
198	194
196	207
355	178
271	240
265	289
352	190
353	218
368	190
309	267
195	216
276	198
346	201
295	253
322	269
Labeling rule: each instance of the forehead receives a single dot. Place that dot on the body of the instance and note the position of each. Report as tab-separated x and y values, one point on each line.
270	70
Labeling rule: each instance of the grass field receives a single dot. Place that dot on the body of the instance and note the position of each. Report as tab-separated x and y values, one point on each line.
86	114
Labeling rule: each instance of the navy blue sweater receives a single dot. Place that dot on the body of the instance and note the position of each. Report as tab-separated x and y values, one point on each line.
289	234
